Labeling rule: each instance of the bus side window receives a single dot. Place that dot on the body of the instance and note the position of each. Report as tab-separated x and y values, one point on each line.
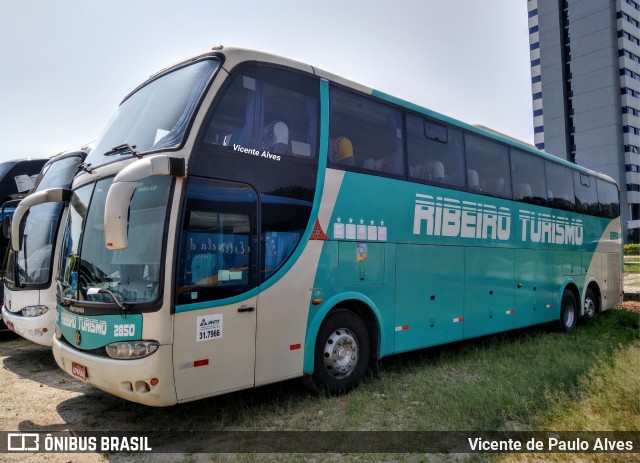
586	194
608	198
527	174
560	190
373	129
491	162
435	152
217	241
269	110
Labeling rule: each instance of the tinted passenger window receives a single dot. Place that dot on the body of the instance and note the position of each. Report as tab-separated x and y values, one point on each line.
267	110
527	174
218	237
560	192
608	199
284	221
435	152
365	134
586	194
487	166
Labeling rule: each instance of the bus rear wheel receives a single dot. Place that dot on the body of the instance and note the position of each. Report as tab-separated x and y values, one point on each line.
341	355
568	311
591	306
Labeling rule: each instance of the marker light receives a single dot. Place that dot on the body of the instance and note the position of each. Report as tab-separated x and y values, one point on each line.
34	310
127	350
57	332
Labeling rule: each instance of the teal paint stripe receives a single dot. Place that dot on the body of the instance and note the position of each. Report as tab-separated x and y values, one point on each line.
471	128
221	302
322	164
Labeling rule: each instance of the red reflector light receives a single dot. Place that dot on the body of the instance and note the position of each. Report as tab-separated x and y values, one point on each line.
201	363
294	346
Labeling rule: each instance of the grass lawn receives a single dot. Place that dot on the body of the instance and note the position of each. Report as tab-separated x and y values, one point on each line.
528	380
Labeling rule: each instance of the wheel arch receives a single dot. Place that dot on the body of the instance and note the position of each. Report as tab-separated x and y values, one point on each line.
592	284
566	321
356	302
572	286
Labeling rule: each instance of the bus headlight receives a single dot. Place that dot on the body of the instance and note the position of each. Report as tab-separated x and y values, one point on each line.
34	310
57	332
127	350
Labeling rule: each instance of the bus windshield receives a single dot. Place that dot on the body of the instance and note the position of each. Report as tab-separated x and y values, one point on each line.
40	226
5	167
131	274
156	116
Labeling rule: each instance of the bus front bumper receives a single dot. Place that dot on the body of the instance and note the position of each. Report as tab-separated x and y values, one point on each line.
36	329
148	380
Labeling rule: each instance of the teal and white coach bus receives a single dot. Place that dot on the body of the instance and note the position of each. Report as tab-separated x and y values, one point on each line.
29	306
246	219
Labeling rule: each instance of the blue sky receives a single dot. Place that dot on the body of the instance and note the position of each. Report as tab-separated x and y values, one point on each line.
67	64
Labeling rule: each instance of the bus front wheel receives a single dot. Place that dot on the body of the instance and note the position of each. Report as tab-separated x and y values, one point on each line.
568	311
341	355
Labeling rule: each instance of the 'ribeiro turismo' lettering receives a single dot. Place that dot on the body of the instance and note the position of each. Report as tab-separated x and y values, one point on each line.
466	219
547	228
441	216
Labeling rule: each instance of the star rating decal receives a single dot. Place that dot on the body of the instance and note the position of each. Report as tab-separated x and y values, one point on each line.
372	230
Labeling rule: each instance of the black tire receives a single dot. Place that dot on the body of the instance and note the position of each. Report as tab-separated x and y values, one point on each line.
568	311
591	304
341	355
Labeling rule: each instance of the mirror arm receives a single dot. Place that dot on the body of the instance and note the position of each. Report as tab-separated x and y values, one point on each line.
116	211
52	195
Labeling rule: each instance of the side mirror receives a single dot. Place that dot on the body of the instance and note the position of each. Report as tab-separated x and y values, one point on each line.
116	211
52	195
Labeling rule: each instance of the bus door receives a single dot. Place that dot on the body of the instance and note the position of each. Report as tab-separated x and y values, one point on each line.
215	323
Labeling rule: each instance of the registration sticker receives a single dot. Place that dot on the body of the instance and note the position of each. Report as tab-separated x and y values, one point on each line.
209	327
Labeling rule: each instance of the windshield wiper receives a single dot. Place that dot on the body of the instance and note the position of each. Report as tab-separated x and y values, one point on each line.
123	149
123	309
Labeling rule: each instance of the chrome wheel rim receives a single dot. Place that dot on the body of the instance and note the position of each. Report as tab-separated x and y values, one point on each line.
568	315
341	353
589	307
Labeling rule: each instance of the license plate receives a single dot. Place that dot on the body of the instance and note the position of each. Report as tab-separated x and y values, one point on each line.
79	370
10	325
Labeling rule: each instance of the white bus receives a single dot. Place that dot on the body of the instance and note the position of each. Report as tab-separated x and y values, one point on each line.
29	287
246	219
